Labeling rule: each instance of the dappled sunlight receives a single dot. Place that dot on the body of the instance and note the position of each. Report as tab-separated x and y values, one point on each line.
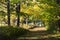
29	19
38	29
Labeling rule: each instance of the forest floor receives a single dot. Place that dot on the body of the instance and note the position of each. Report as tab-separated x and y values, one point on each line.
40	33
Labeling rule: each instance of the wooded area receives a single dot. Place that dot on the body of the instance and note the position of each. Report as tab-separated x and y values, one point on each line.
30	14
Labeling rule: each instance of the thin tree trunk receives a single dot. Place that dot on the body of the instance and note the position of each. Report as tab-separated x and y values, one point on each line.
18	13
8	11
26	21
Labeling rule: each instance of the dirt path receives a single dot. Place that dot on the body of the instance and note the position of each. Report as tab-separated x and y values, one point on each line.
38	29
41	34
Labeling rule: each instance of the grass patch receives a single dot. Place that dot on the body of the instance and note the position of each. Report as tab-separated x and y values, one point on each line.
11	33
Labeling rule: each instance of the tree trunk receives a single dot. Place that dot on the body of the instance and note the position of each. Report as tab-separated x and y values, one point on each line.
26	21
8	11
18	13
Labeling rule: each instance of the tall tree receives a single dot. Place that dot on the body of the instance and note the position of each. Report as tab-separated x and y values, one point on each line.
18	11
8	11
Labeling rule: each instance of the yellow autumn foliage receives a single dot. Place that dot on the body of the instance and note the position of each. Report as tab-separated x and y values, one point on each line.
36	7
44	5
50	6
21	18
